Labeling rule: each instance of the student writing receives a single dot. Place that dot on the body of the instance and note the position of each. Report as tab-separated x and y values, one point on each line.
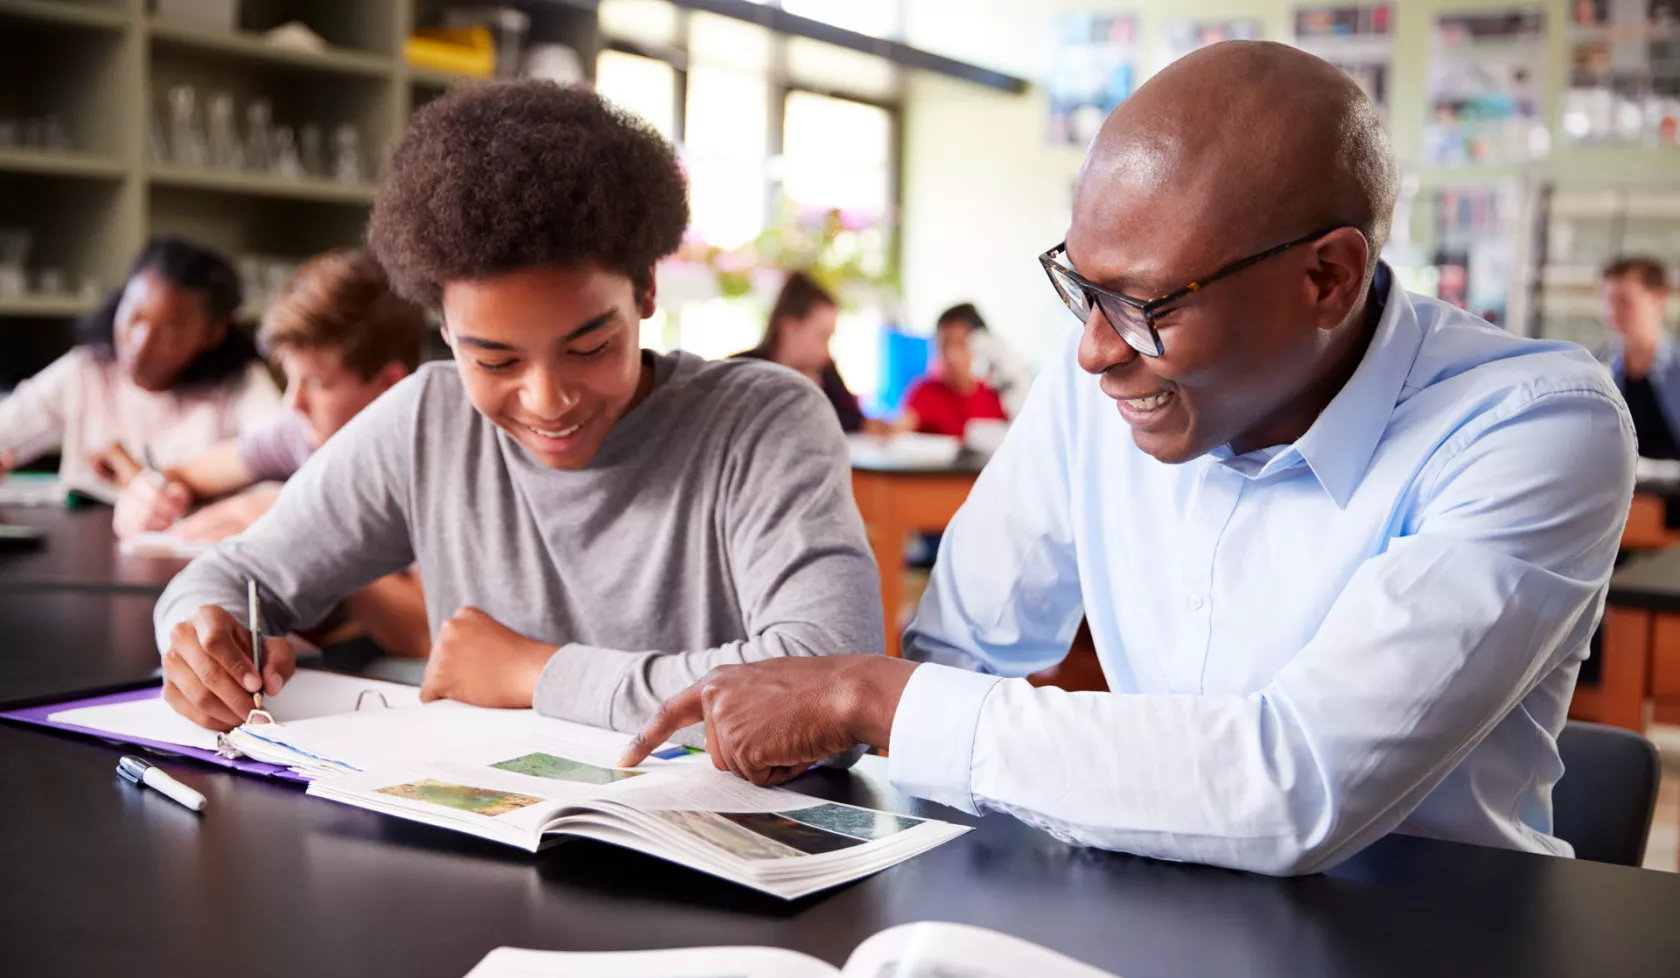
158	370
597	525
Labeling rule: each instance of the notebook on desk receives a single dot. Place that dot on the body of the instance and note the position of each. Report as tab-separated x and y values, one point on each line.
140	717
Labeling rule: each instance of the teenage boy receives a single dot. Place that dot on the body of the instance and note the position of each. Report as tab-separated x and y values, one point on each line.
598	526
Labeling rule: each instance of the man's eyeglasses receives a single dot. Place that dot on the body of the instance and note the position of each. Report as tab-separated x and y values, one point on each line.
1134	319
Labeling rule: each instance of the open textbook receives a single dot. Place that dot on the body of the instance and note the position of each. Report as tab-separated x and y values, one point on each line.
925	950
526	780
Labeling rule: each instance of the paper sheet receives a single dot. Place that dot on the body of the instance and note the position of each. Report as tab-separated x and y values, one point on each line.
163	545
709	962
959	951
310	693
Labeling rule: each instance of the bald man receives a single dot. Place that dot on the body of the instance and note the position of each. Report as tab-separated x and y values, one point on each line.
1341	548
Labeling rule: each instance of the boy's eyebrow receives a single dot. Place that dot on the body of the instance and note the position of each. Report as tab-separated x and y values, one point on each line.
594	324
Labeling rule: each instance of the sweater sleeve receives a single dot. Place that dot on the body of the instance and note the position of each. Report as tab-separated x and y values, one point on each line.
34	417
799	565
339	524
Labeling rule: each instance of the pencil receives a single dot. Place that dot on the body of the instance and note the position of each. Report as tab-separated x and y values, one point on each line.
256	634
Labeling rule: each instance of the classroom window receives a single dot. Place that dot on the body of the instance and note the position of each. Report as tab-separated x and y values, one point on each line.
644	86
728	116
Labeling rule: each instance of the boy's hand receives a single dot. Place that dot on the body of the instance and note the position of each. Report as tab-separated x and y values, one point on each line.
208	675
144	506
478	660
220	520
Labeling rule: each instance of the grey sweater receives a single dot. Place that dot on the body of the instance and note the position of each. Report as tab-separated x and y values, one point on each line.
716	525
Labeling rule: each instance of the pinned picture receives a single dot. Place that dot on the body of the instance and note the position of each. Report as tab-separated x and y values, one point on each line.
540	765
479	801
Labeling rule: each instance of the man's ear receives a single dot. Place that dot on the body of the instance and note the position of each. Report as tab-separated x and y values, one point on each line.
1337	274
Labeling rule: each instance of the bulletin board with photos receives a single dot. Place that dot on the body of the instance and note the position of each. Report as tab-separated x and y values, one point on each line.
1184	36
1092	68
1357	38
1624	74
1486	82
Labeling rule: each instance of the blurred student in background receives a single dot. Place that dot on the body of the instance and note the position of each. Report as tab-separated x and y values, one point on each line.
159	371
1641	355
342	338
801	323
945	401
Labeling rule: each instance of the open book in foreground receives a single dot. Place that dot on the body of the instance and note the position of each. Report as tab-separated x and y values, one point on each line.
925	950
526	780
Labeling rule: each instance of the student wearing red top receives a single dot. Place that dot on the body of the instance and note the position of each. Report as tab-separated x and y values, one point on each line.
944	402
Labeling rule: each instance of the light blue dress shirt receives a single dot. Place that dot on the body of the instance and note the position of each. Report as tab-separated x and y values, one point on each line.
1374	629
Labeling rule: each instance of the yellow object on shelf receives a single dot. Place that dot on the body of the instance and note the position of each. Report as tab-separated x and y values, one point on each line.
458	50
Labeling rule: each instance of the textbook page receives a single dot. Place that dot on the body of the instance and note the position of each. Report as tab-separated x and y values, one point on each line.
443	730
309	693
940	950
163	545
699	962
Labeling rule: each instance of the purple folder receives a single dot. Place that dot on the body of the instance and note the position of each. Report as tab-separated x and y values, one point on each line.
37	716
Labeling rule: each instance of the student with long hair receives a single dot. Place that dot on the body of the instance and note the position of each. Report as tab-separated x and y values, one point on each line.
801	324
159	371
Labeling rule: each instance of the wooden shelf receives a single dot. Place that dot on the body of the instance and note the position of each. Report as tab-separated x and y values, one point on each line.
251	47
431	78
57	164
258	185
45	305
65	13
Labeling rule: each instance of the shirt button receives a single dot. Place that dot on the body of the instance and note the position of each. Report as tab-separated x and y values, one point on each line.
1195	602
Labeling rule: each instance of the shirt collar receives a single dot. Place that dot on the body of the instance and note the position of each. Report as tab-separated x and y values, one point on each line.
1340	443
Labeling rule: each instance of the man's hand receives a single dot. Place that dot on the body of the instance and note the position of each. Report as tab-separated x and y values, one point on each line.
478	660
8	462
220	520
208	675
144	506
769	721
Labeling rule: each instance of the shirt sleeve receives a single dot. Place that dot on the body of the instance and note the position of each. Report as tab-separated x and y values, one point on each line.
33	418
798	557
1004	594
275	449
1499	576
339	524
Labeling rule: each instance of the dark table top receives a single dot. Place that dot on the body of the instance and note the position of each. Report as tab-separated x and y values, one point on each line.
81	553
59	641
967	462
1649	581
107	879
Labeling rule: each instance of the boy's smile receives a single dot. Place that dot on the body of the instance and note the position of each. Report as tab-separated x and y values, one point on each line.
552	354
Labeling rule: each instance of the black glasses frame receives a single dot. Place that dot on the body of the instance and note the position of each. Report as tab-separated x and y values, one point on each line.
1147	309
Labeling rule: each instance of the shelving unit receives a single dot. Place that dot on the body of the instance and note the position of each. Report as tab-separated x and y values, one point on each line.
45	305
1581	230
93	166
243	48
102	70
259	185
112	17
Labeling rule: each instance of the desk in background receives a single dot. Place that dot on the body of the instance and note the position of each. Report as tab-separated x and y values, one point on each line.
81	554
1641	648
897	500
